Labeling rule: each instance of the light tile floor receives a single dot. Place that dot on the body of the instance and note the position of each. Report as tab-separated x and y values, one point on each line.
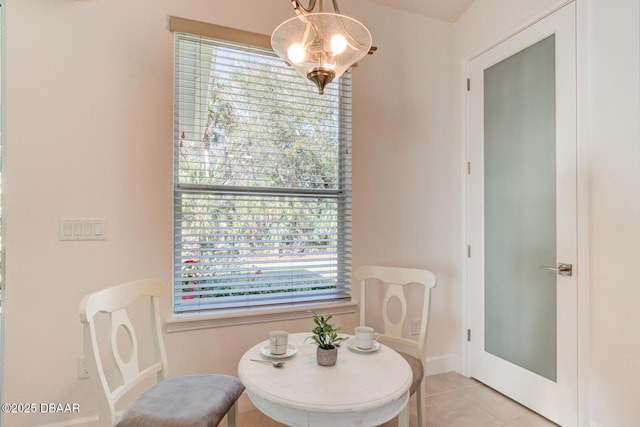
451	400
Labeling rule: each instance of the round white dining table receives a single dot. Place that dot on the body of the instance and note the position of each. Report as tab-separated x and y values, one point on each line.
361	389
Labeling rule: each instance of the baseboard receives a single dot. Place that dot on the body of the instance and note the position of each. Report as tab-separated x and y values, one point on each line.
441	364
80	421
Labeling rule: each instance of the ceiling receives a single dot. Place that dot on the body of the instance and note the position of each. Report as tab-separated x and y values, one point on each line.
446	10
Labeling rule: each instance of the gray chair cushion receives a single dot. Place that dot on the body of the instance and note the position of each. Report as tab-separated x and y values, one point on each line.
416	368
187	401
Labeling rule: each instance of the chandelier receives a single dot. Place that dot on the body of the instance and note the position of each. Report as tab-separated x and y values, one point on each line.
321	46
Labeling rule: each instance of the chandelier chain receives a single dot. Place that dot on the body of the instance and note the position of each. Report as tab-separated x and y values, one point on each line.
300	9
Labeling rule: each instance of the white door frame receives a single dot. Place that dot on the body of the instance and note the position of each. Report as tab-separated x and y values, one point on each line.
583	285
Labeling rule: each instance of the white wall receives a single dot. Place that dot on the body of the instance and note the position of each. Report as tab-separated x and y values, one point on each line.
612	137
609	134
407	179
88	133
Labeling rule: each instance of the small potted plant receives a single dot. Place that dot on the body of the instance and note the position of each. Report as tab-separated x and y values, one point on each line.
325	335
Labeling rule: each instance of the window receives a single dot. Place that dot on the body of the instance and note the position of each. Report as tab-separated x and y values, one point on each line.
262	181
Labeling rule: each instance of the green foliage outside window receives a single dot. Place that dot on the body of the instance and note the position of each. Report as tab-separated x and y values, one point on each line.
260	179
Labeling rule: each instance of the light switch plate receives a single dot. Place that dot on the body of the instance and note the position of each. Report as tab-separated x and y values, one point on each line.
82	229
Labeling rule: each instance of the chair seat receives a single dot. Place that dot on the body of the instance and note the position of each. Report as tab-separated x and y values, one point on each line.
187	401
416	368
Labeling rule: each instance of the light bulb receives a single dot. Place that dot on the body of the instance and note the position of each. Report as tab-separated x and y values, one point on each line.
338	44
296	53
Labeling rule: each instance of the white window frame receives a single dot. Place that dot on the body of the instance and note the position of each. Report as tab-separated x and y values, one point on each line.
342	302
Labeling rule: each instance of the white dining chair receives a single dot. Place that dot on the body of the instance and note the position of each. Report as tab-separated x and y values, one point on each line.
186	401
393	282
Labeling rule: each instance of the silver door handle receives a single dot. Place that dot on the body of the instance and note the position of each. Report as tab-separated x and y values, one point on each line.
562	269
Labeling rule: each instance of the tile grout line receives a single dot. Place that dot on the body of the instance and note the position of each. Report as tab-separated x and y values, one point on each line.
453	389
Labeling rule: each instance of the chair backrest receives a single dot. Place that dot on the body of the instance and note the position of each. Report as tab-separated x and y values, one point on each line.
114	302
396	280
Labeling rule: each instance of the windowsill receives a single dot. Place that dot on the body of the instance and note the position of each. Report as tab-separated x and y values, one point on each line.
247	317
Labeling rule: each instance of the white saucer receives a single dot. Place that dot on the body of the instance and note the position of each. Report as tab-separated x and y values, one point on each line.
375	346
291	350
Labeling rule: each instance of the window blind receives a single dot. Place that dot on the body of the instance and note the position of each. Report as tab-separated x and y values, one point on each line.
262	181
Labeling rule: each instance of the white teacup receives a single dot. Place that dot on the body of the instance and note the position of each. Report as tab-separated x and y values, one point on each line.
365	337
278	342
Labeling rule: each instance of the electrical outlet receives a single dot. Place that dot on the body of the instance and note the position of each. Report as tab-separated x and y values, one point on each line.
415	327
83	371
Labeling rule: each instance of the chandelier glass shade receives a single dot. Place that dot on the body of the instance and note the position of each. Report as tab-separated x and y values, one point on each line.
321	46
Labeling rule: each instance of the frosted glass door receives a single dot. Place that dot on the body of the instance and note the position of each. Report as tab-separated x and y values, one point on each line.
520	208
522	216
